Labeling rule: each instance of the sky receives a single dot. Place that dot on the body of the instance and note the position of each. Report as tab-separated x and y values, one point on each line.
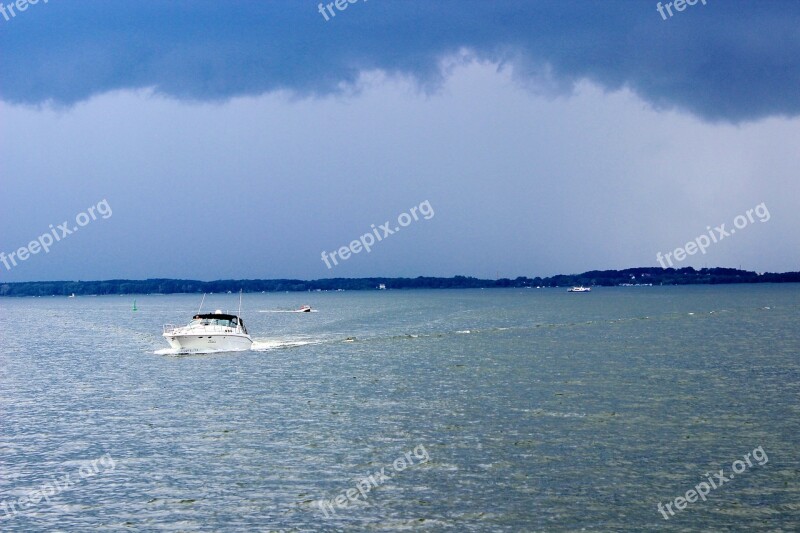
242	139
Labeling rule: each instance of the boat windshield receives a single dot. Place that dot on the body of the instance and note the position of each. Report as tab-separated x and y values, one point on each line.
212	322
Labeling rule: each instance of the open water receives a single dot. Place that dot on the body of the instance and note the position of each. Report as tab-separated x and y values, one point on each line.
488	410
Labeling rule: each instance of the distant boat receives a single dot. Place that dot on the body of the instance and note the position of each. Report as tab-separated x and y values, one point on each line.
134	305
71	295
580	289
305	309
382	287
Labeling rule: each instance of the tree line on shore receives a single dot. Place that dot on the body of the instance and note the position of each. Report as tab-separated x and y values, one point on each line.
605	278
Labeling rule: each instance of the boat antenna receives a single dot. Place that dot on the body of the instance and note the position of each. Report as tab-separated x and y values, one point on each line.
201	303
239	314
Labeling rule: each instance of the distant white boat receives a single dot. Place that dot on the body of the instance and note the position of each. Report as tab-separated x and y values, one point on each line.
580	289
71	295
217	332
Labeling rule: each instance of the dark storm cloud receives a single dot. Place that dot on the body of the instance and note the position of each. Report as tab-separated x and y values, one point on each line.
725	60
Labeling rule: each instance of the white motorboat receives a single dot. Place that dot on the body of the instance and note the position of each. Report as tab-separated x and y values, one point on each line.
580	289
210	332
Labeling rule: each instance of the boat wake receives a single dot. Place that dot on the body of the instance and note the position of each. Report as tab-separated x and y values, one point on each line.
277	344
287	311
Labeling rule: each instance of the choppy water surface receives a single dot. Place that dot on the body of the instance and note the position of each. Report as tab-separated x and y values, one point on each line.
537	410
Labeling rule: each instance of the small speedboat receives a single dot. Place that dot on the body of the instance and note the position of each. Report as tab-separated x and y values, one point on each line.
210	332
304	309
580	289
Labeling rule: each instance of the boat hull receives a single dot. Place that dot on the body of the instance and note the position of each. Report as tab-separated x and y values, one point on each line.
224	342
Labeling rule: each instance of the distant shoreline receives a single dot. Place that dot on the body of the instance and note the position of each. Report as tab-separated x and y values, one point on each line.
602	278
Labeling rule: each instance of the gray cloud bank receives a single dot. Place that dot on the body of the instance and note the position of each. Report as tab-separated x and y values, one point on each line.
723	61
